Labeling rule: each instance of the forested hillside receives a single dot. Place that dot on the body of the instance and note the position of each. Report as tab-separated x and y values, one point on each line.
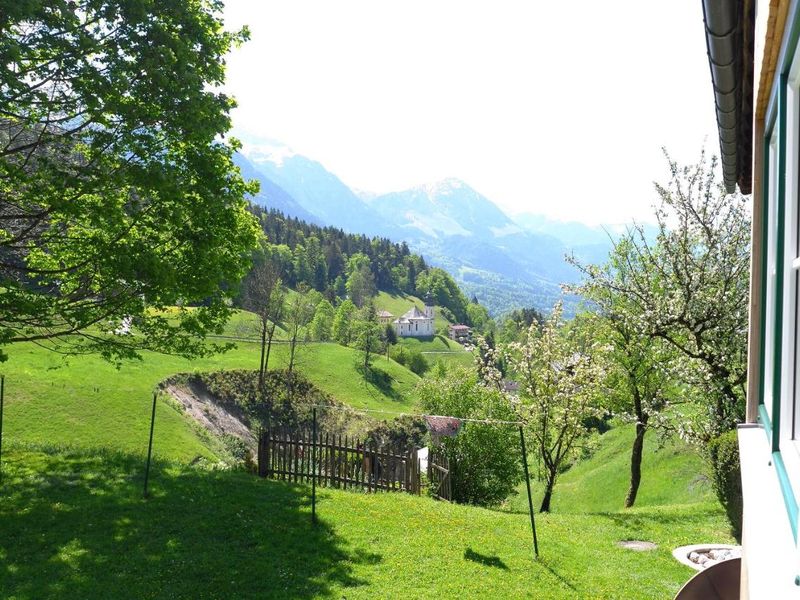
337	264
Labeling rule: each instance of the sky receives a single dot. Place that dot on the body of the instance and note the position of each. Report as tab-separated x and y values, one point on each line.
554	108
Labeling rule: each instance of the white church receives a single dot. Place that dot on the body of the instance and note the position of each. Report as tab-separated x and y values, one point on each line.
416	323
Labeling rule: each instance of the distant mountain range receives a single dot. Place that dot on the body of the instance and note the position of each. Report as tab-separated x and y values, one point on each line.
507	263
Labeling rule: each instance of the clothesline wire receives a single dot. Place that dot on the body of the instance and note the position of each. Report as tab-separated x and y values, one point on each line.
403	414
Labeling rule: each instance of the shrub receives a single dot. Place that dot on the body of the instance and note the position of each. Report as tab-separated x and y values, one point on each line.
406	432
417	363
485	465
723	453
411	359
236	447
400	354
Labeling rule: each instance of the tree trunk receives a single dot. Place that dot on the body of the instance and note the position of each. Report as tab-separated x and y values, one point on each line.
636	464
548	492
292	343
269	347
261	368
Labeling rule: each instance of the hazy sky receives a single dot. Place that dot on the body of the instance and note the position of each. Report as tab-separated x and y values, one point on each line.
559	108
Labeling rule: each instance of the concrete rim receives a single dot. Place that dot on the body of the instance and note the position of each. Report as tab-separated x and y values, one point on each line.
681	553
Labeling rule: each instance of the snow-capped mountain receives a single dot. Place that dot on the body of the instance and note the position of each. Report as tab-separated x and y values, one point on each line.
506	262
315	189
271	195
447	207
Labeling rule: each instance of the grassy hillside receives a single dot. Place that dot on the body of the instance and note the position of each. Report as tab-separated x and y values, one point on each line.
671	475
435	349
73	523
75	526
397	304
88	402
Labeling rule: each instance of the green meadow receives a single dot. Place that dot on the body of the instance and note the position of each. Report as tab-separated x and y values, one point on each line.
73	523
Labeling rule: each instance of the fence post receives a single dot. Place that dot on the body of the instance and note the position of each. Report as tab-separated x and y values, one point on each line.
2	399
269	455
150	444
314	466
528	484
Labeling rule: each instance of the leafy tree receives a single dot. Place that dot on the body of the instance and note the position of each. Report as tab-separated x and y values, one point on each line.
342	329
360	281
477	316
299	312
485	464
322	323
559	392
445	292
118	195
516	323
390	335
417	363
367	335
413	360
689	288
265	297
637	375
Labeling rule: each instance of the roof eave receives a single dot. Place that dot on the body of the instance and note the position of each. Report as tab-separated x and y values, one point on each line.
729	29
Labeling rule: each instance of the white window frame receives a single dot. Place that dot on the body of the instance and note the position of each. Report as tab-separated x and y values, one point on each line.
789	444
769	330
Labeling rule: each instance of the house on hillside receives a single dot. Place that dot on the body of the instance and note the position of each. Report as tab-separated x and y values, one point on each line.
754	58
459	333
385	317
416	322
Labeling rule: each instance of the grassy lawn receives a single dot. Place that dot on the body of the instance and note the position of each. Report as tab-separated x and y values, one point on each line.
87	402
73	525
672	474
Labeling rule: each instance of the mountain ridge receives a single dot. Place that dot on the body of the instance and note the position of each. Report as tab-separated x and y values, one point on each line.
506	261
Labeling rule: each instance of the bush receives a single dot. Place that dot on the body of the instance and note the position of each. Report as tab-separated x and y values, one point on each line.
399	354
405	432
411	359
417	364
286	399
485	465
236	447
723	453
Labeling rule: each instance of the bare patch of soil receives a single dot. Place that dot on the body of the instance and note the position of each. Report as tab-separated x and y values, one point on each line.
198	403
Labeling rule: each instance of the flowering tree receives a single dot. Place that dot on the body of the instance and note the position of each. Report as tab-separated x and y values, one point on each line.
560	383
689	289
637	379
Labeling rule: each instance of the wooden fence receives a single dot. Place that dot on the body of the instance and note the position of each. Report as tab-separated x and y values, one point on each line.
340	462
439	475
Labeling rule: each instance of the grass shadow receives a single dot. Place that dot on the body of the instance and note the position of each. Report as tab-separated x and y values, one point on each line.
651	515
484	559
380	380
74	525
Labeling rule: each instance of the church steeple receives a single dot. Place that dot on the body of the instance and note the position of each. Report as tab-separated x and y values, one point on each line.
430	303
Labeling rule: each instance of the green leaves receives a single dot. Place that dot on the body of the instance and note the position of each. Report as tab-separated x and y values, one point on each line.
678	304
117	197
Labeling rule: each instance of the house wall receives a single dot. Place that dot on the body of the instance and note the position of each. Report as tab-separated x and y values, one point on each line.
769	443
417	328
